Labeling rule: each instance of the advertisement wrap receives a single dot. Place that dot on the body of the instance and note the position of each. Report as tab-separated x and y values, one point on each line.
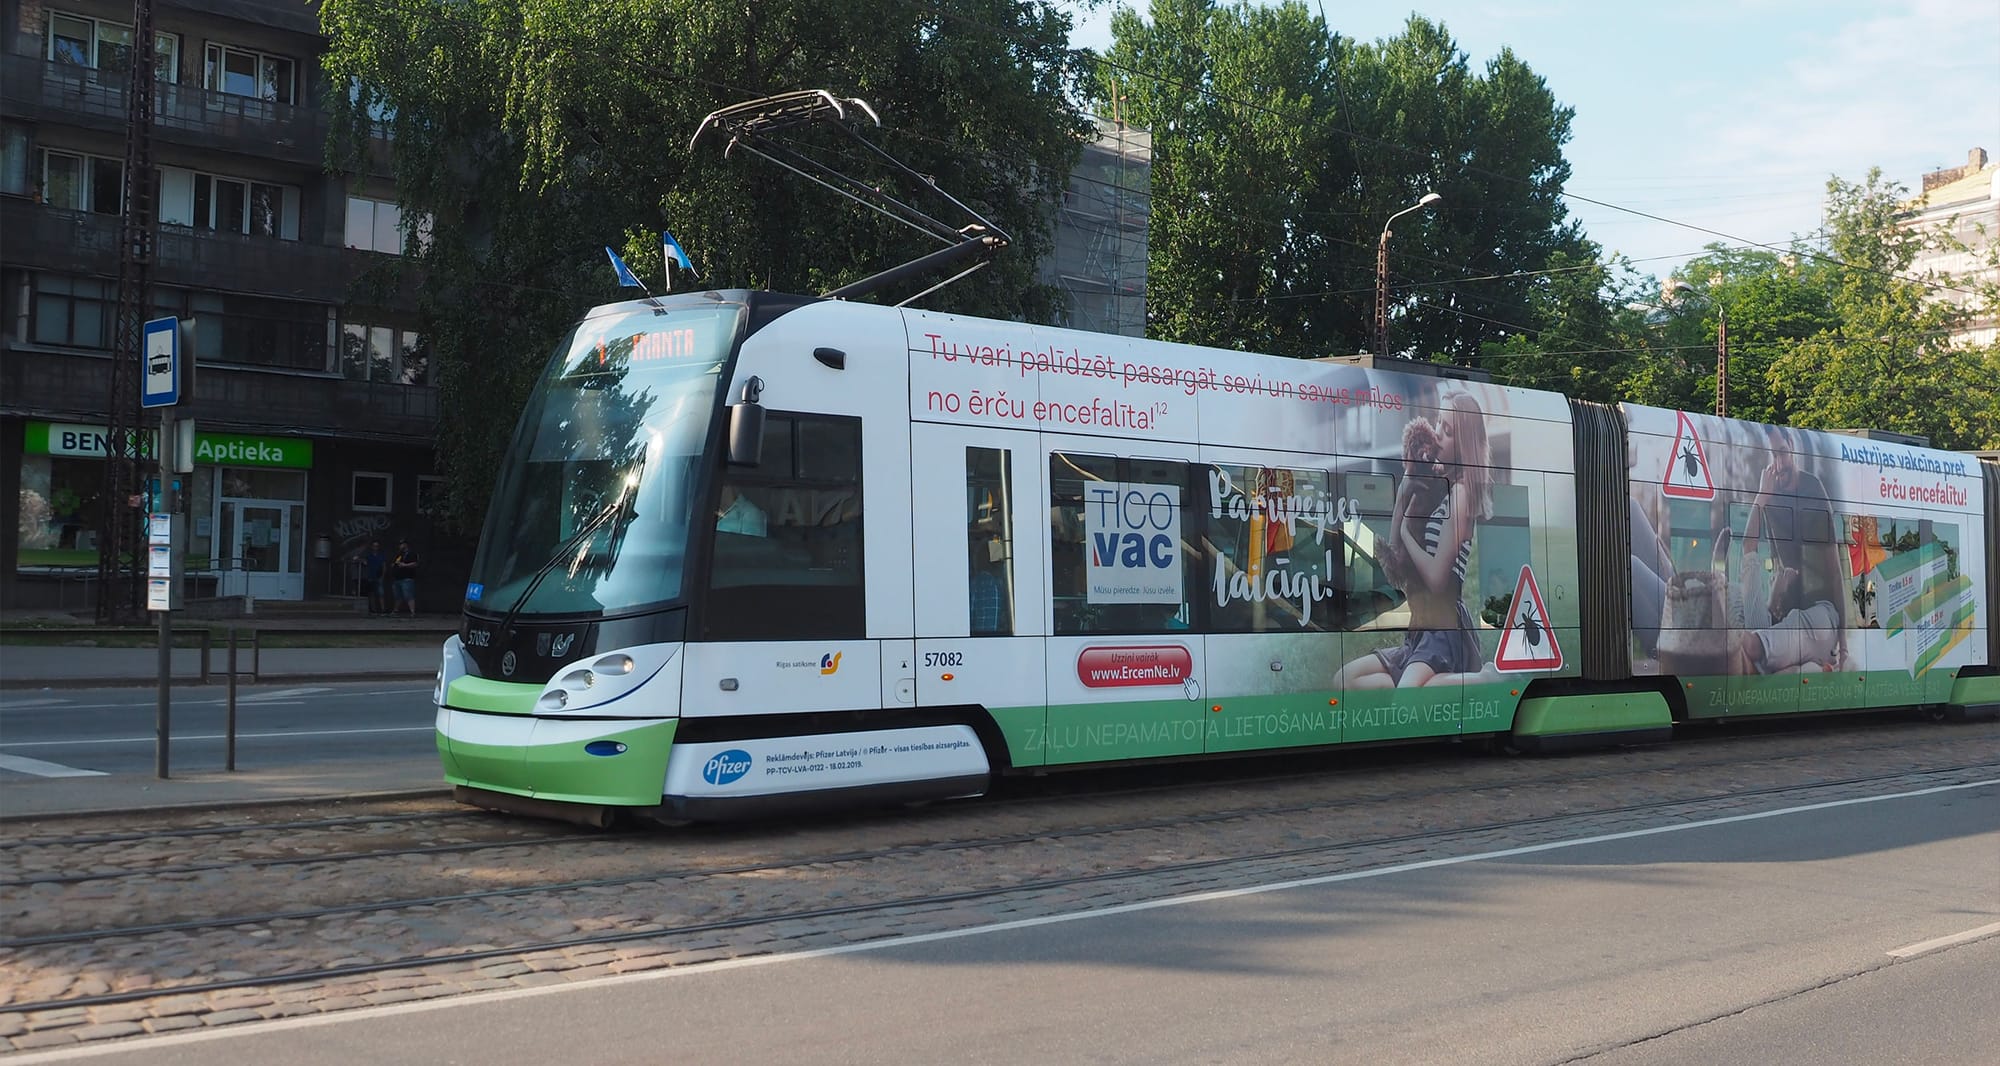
1372	556
1780	569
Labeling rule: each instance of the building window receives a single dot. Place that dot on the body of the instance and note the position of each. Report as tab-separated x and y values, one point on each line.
242	72
14	160
430	493
372	491
83	183
86	42
74	312
223	204
383	354
374	226
249	330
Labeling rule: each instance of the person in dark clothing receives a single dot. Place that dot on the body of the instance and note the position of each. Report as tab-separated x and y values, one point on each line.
374	577
403	570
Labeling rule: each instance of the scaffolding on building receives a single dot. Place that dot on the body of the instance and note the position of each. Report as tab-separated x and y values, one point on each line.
1099	261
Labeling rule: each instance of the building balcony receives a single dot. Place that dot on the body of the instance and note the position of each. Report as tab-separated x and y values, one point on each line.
65	386
293	17
86	243
67	95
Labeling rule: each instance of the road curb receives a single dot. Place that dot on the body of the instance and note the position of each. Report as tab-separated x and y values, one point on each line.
197	806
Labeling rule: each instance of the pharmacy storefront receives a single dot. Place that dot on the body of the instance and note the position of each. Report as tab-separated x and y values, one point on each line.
246	507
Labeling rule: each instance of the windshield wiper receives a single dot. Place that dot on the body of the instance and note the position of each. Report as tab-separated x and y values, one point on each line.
581	536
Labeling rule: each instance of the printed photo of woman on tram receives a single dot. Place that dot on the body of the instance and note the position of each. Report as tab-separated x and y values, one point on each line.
1445	488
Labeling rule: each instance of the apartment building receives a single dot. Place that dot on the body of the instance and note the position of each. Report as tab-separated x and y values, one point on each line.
1965	201
313	400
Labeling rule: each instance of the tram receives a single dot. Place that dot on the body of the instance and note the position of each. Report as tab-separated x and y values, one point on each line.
752	551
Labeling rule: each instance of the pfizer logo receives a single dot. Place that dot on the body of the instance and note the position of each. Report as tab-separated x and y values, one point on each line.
726	768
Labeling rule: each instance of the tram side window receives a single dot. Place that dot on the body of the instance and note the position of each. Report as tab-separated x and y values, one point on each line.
787	560
989	524
1373	600
1120	557
1273	550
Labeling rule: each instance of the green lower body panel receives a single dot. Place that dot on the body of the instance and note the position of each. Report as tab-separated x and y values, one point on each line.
613	763
1974	697
1812	691
1549	722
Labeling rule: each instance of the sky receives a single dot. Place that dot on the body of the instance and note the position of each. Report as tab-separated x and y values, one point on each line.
1727	116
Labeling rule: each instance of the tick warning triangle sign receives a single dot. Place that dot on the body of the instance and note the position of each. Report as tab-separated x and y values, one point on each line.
1528	643
1687	468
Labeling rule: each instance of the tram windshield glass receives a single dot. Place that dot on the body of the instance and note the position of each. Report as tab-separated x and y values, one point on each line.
594	505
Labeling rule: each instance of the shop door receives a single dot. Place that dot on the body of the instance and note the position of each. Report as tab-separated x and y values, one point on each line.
261	546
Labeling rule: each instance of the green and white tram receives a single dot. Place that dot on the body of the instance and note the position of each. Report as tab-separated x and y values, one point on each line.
752	550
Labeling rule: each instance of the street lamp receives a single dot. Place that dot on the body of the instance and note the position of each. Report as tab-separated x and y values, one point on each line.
1721	344
1382	273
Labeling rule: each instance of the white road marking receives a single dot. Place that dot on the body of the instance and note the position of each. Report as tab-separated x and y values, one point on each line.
721	965
148	739
39	702
24	765
279	694
1910	951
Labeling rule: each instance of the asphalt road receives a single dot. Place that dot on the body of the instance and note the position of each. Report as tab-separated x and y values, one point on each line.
65	732
1847	932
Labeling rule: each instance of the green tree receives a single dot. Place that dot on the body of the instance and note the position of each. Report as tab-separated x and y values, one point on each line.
1888	362
532	132
1279	151
1769	302
1593	333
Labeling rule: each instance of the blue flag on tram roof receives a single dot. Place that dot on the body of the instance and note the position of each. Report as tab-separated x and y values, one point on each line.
674	253
626	278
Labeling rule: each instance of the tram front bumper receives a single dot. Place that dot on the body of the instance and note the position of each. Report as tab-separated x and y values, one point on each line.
616	763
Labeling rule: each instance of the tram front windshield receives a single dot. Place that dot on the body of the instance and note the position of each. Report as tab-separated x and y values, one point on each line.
594	506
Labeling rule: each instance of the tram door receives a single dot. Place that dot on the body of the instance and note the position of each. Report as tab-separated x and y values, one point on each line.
981	601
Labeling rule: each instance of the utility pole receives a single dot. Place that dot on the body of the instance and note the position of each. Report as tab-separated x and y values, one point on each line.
1382	274
1721	361
119	547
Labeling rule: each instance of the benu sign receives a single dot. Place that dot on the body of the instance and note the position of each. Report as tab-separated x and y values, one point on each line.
216	449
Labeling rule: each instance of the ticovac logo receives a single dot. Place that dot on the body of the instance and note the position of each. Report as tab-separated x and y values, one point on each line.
1134	533
829	663
725	768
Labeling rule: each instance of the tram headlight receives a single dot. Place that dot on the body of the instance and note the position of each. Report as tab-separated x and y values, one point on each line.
611	676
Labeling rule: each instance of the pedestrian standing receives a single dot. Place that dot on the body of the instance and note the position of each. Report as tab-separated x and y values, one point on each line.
375	577
403	570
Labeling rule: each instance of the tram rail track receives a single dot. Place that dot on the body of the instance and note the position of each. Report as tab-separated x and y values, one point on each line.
555	834
655	932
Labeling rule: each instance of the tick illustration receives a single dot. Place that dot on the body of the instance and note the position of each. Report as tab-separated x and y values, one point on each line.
1530	626
1691	461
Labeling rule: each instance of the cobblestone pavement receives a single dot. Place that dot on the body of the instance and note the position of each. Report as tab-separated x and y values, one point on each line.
687	897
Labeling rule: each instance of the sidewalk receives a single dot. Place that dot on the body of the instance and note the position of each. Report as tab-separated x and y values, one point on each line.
138	793
410	651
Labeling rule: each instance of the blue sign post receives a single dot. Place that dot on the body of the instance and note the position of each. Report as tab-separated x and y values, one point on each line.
163	379
163	355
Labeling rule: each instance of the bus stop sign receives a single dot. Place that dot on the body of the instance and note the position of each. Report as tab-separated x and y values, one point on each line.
163	355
